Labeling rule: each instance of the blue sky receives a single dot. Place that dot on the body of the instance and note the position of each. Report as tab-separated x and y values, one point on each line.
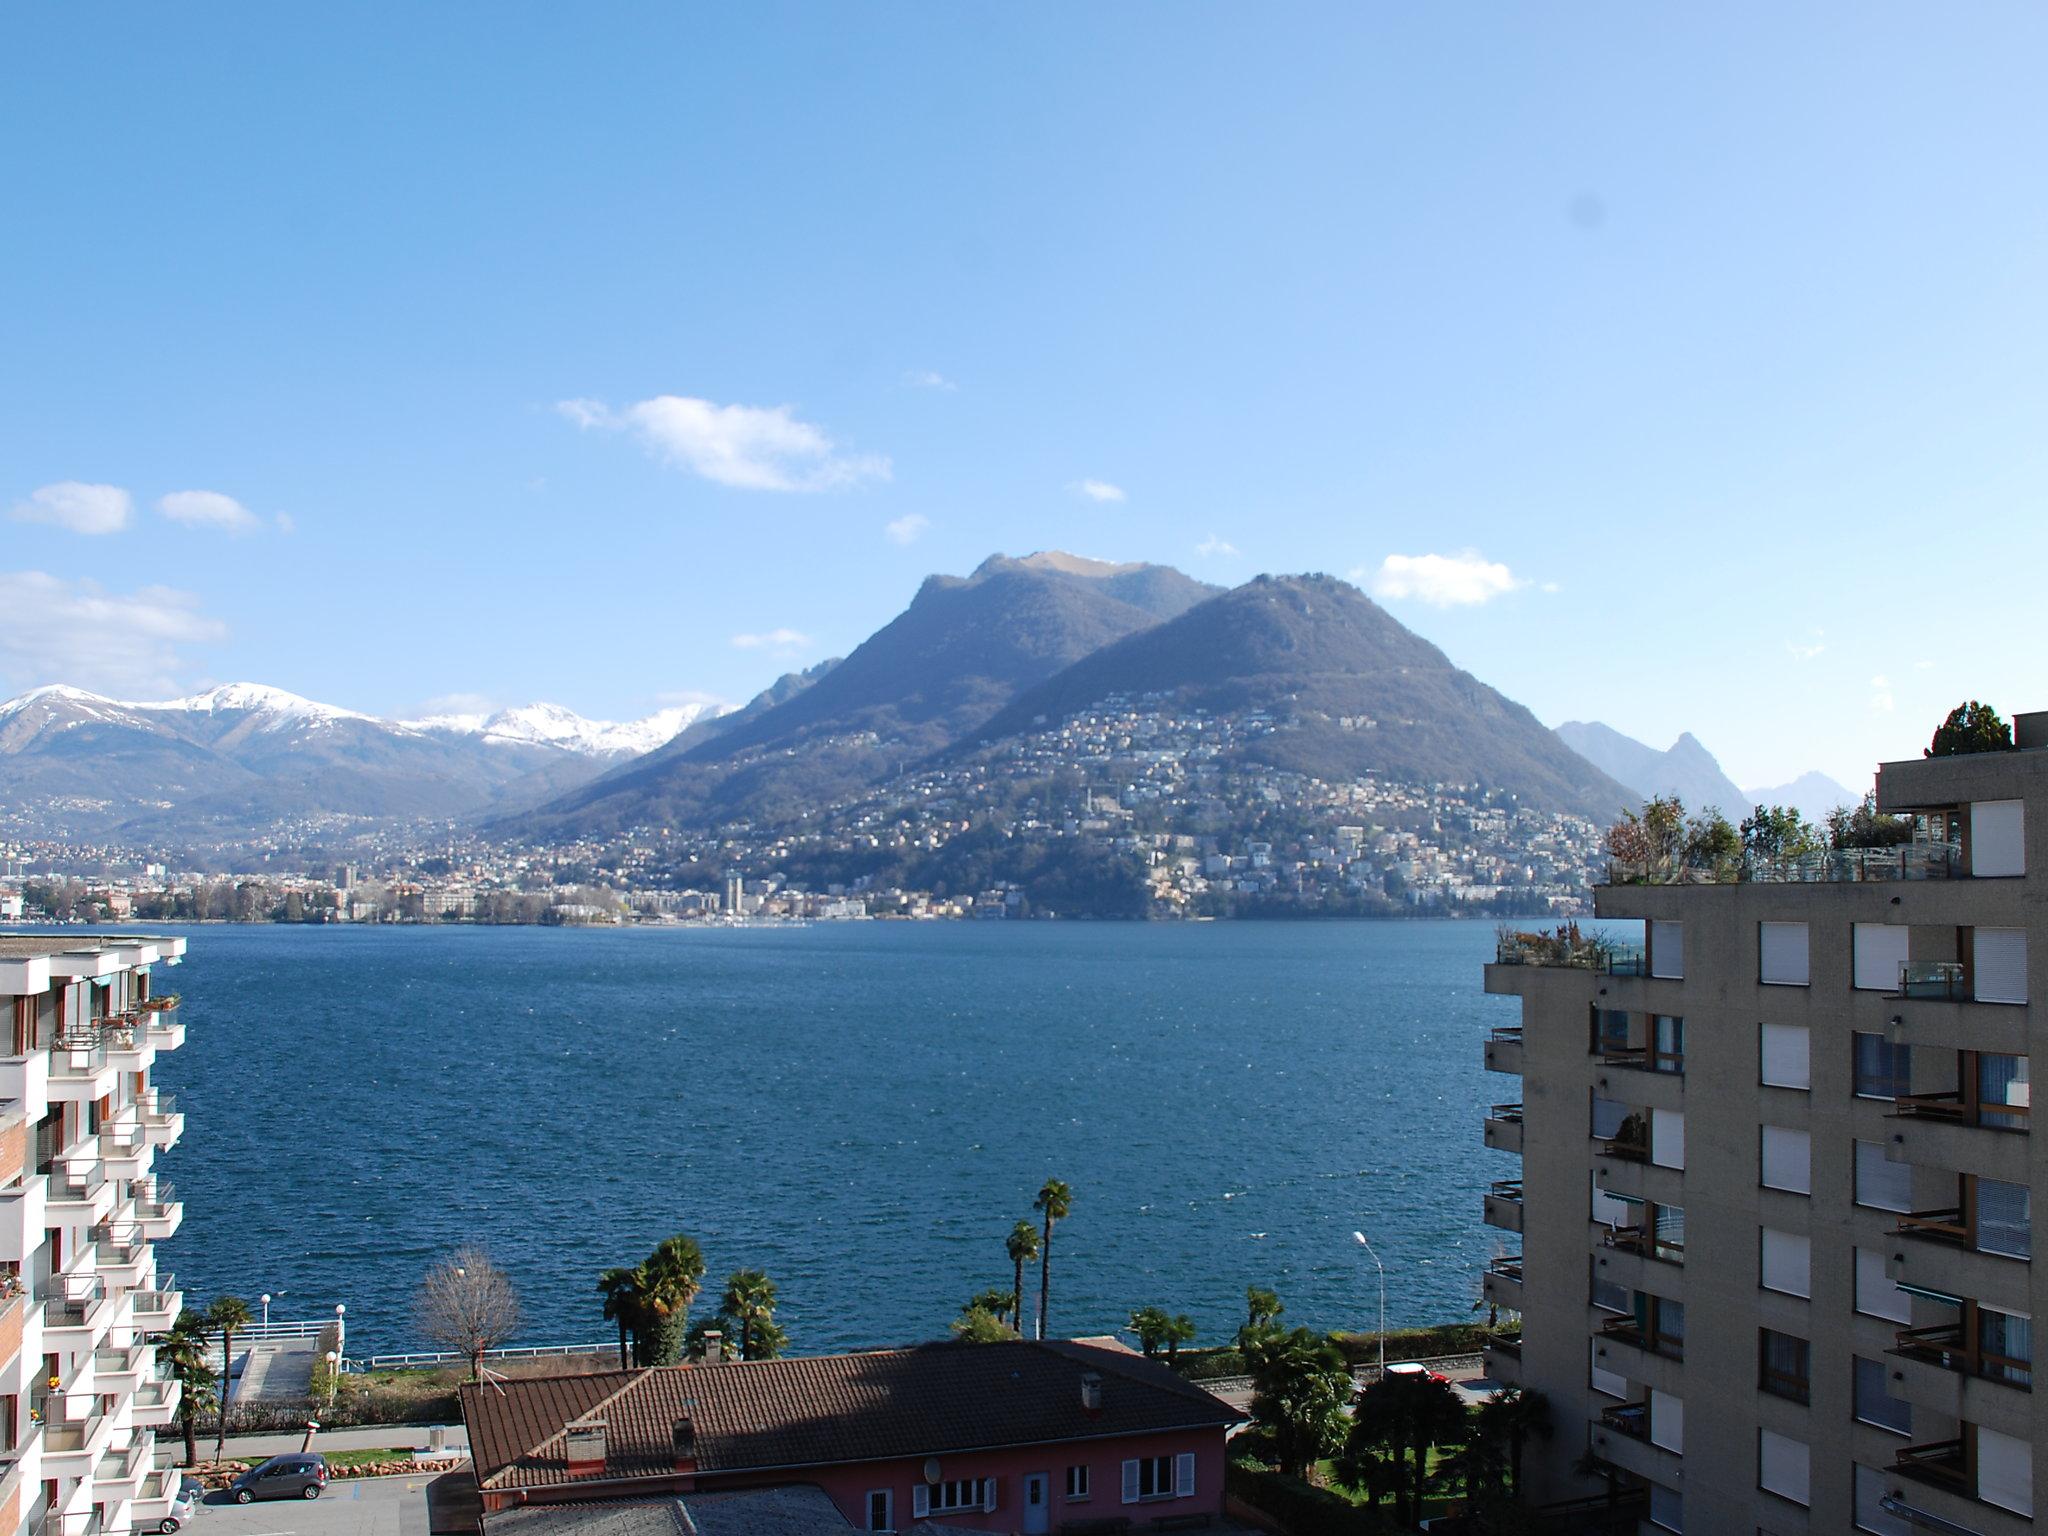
536	351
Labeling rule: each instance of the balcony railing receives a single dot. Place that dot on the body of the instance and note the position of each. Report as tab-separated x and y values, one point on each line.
1582	953
1941	1462
1641	1240
1505	1034
155	1204
1505	1114
1902	861
1626	1149
1507	1267
1506	1189
168	1003
1947	1225
1954	1108
1950	1346
1625	1330
1941	980
1631	1419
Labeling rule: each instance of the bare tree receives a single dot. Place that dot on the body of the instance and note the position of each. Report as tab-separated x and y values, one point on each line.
467	1304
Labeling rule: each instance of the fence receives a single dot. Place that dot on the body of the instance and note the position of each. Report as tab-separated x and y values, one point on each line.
420	1358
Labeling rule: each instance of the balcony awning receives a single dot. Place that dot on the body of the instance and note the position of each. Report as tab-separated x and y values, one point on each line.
1926	1295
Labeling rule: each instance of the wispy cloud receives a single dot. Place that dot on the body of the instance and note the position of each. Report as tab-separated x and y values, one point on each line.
1098	490
1462	580
285	524
208	509
773	640
1807	649
1213	548
1881	700
131	644
907	529
78	506
748	447
925	378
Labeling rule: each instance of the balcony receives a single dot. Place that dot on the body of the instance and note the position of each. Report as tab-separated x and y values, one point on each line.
76	1311
1504	1204
1631	1419
155	1311
121	1472
1503	1128
1937	980
1502	1283
1569	949
156	1401
1501	1359
1623	1149
161	1119
128	1043
126	1152
159	1212
1948	1226
1620	1439
75	1432
122	1370
1940	1463
1504	1050
79	1069
154	1498
1644	1243
78	1191
121	1253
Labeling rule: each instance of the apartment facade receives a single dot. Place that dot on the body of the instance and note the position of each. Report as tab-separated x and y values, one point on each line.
1776	1173
81	1207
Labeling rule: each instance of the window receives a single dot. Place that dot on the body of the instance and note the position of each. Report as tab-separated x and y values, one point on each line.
1782	1056
881	1510
1876	1295
1077	1483
1880	952
2003	1092
1610	1210
1667	1053
1998	965
1787	1262
1667	1233
1782	954
962	1493
1667	1422
1667	1138
1782	1465
1784	1365
1881	1183
1883	1070
1667	1508
1661	1323
2005	1346
1159	1477
1611	1383
1608	1296
1667	950
2005	1471
2004	1219
1998	837
1871	1515
1874	1401
1610	1031
1787	1158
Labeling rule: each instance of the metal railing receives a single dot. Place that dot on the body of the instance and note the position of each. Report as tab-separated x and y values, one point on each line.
1950	1224
1941	1462
1939	979
450	1357
1631	1419
1506	1189
1625	1330
1507	1267
1587	955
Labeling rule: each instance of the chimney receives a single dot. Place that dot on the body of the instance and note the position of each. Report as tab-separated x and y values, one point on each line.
1091	1394
585	1448
686	1446
714	1346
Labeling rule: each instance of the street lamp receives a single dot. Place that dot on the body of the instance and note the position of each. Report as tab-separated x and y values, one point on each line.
333	1374
266	1309
1376	1264
340	1329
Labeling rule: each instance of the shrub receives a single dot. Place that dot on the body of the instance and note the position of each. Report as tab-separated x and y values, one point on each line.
1300	1509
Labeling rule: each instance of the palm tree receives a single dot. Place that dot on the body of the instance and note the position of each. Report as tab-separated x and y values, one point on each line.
998	1304
227	1314
1261	1307
1151	1325
1508	1419
622	1304
1180	1329
749	1300
183	1353
1054	1200
668	1279
1022	1244
1407	1413
1299	1386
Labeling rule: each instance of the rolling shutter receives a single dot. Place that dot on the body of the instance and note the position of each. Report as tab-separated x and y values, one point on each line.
1667	1421
1782	954
1130	1482
1782	1465
988	1495
1999	965
1880	951
2005	1471
1787	1159
1787	1262
1667	950
920	1501
1184	1475
1667	1138
1783	1056
1998	837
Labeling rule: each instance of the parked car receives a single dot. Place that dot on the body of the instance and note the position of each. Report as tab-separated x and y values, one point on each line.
187	1499
295	1475
1416	1368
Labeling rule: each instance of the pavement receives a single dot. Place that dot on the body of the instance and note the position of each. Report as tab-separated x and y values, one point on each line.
277	1370
368	1506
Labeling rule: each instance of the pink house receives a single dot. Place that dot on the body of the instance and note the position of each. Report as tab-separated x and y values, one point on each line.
1019	1437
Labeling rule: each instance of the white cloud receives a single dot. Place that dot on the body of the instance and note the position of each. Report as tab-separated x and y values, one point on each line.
1213	548
907	529
749	447
208	509
1443	581
1097	490
773	640
1807	649
925	378
128	644
1881	700
78	506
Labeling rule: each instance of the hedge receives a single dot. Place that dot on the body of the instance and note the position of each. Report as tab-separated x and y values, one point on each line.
1300	1509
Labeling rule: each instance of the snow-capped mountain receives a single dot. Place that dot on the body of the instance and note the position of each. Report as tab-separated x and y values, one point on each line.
240	759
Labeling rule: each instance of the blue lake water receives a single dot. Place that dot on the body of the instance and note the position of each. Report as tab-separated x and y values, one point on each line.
862	1110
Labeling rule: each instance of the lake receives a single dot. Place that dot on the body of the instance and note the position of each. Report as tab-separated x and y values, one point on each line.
862	1110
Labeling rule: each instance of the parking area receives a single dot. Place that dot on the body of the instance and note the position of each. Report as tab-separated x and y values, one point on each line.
368	1506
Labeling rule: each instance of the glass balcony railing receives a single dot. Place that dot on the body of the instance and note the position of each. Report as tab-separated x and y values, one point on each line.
1939	979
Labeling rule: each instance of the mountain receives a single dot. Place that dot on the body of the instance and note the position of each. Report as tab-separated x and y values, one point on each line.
1812	795
961	651
234	762
1350	689
1686	769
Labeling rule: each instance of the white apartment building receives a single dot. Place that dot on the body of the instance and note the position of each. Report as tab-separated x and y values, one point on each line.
81	1395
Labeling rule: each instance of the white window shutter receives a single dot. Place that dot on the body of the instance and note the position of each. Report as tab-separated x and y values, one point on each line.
1130	1482
988	1495
920	1501
1184	1475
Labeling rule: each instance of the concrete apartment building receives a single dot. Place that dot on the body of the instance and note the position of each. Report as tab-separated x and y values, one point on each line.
1775	1188
81	1396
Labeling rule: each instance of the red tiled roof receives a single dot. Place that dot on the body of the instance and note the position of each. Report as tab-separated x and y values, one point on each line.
826	1409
